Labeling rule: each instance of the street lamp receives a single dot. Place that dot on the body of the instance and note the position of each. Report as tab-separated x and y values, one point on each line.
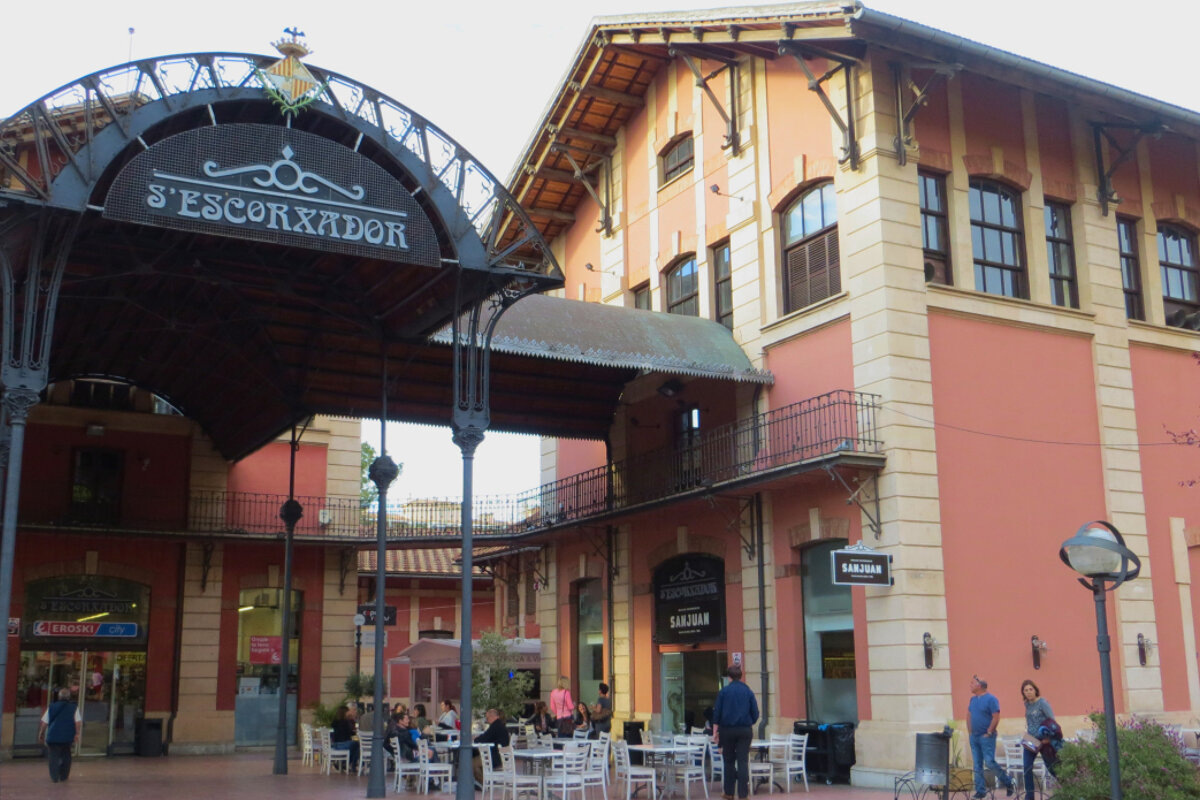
1097	551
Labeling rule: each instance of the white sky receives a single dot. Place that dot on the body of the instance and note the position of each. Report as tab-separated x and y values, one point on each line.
484	71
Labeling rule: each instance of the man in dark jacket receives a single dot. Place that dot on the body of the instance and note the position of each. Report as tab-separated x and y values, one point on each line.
734	716
60	725
496	735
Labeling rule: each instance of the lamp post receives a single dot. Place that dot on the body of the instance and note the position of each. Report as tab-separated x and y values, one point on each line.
1098	552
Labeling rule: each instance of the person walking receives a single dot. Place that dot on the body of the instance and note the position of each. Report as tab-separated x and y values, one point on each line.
60	725
1037	711
983	715
563	708
734	716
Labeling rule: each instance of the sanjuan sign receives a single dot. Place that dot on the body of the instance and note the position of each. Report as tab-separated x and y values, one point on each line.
859	565
689	599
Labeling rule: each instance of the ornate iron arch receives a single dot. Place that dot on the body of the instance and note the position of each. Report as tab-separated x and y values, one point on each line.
78	128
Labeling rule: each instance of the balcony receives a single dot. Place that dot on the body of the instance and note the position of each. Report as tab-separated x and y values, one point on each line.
831	429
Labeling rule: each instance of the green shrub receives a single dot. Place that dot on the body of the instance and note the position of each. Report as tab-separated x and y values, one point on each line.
322	715
1152	765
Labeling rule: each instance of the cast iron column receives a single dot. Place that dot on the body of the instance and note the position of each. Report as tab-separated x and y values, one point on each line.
17	403
1104	647
467	439
290	512
382	472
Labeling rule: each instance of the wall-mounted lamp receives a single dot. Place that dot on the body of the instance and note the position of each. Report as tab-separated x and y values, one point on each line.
670	388
715	189
588	266
1144	646
929	644
95	429
1038	647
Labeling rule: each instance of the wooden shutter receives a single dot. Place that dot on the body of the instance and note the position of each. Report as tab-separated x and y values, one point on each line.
814	270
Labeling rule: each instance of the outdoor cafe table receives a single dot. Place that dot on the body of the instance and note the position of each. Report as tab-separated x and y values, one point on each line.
538	758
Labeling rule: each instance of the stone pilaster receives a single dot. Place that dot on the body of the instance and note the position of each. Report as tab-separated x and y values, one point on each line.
199	726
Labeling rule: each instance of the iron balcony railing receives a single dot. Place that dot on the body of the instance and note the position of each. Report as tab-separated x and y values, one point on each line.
743	451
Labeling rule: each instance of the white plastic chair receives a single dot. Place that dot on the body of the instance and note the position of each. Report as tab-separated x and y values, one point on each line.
690	769
567	773
598	760
788	754
761	772
329	755
632	774
492	778
364	754
307	756
716	763
404	769
430	770
514	782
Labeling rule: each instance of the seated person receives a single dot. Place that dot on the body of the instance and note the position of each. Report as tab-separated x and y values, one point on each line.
343	734
496	735
404	734
542	722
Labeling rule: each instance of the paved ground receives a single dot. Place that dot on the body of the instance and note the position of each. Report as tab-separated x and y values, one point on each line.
240	777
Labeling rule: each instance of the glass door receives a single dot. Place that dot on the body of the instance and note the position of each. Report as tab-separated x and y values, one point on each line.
95	701
128	701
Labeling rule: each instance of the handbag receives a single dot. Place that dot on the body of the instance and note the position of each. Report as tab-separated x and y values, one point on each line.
1031	743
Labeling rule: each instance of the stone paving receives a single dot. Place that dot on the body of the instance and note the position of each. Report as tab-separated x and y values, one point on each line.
245	776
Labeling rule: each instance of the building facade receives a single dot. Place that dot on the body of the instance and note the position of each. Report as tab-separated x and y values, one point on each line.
998	255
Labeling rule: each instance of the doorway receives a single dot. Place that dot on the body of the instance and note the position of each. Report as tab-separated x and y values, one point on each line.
108	686
830	674
690	683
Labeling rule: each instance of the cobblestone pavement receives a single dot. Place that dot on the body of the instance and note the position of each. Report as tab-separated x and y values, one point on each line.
245	777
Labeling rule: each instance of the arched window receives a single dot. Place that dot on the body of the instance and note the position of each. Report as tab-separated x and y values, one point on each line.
997	239
811	263
1180	273
677	159
683	288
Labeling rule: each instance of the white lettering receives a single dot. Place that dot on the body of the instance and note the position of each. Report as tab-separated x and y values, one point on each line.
212	207
396	232
329	219
256	211
352	233
278	215
187	199
373	231
157	197
232	203
303	225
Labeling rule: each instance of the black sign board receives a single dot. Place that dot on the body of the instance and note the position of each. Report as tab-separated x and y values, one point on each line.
689	599
368	611
861	566
273	184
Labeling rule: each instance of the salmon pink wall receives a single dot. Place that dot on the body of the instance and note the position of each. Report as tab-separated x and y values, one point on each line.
800	125
245	566
1166	386
578	455
154	481
992	117
1054	146
636	200
931	126
1173	168
266	471
153	562
1004	396
814	363
582	246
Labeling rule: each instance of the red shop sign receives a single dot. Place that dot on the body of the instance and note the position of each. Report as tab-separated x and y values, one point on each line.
266	649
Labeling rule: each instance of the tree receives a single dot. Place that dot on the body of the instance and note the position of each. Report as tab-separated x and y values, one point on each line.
367	493
495	680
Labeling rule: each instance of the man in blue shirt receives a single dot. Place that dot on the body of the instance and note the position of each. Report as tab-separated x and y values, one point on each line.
60	725
983	715
734	716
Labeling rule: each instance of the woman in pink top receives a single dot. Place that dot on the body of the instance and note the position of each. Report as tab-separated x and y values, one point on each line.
562	707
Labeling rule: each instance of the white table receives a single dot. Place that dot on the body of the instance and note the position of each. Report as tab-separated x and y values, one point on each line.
538	758
661	755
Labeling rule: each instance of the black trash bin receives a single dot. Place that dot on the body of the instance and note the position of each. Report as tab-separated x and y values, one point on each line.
148	737
632	733
933	759
830	749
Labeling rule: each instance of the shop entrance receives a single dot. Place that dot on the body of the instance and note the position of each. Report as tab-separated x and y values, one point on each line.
830	676
690	683
109	686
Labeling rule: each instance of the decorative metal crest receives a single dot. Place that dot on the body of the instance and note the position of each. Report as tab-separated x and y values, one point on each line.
288	82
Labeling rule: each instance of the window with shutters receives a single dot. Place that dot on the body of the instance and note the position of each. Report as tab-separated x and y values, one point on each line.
723	278
1060	255
1131	267
811	263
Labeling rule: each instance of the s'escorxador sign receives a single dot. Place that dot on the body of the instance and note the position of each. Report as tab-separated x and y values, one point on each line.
273	184
689	599
860	565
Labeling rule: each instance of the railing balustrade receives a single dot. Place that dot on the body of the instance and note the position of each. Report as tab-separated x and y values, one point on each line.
840	421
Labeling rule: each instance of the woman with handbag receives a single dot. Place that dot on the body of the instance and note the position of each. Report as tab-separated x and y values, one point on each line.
563	708
1037	712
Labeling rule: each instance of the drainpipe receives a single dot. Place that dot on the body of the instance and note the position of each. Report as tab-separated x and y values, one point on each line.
608	602
176	667
765	675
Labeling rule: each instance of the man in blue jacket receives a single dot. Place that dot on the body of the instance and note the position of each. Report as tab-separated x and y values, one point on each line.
60	725
734	716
